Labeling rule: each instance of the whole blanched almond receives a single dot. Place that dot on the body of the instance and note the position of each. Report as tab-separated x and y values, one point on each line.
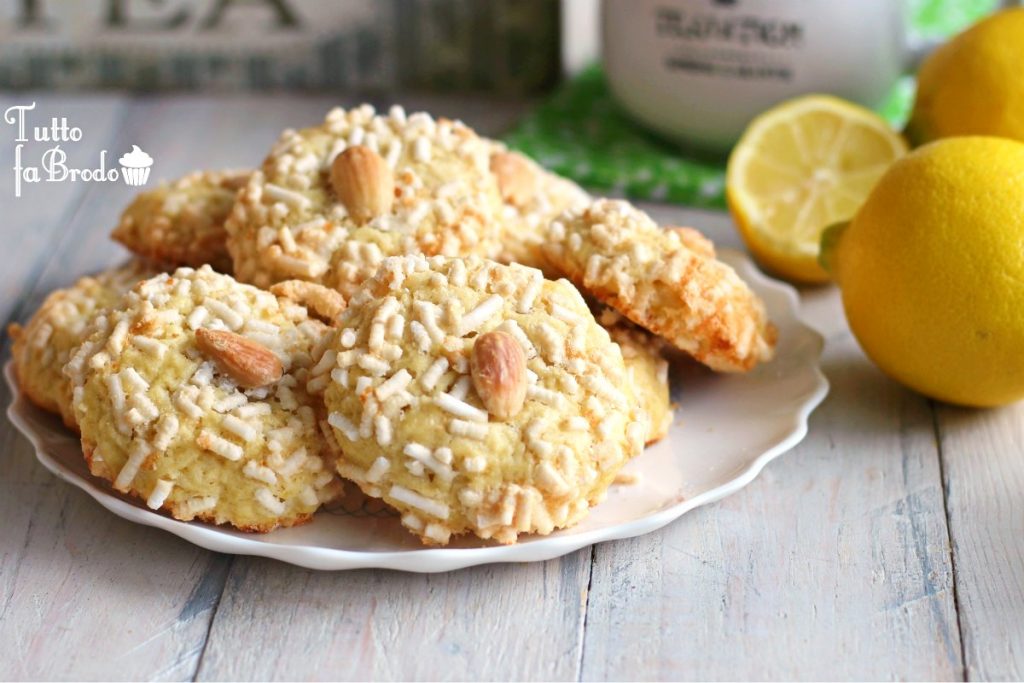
515	177
250	364
497	365
363	182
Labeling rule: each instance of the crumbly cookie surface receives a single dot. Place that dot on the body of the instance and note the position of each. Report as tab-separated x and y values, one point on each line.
332	201
533	197
181	223
42	346
477	397
647	369
694	240
618	254
191	395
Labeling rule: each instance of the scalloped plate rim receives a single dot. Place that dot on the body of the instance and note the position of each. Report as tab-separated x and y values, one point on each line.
431	560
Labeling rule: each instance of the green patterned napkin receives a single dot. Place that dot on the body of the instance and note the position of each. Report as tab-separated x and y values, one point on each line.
580	133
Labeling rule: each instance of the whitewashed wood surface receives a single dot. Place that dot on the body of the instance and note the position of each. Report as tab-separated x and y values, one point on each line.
888	545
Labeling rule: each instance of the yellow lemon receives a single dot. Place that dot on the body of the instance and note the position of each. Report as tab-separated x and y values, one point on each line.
973	84
800	167
932	271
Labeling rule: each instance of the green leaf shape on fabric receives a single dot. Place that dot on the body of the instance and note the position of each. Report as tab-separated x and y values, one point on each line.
580	133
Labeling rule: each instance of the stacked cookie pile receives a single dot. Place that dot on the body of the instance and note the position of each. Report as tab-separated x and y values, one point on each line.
390	300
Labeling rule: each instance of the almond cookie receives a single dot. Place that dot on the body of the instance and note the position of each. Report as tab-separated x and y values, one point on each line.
332	201
694	240
181	223
191	395
618	254
647	369
533	198
42	346
477	397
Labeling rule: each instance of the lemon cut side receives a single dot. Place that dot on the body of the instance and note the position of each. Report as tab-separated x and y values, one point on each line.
800	167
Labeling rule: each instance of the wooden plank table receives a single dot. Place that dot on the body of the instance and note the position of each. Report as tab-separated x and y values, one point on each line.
888	545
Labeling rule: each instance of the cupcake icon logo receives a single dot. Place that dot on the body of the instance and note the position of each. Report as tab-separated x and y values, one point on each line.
135	166
43	152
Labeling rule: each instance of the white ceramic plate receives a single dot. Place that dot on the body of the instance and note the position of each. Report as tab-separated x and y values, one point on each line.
727	428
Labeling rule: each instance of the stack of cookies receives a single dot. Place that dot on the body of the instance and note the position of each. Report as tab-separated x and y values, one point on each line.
390	300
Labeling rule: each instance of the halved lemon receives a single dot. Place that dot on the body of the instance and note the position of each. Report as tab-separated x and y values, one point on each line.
800	167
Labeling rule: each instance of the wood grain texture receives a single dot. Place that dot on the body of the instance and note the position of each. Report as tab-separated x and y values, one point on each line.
82	593
983	461
86	594
833	564
518	622
481	623
151	595
32	223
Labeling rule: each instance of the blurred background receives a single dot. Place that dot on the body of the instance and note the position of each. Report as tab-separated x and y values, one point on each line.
655	120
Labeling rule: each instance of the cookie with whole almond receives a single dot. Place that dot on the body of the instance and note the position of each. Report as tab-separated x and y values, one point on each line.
533	198
42	346
181	223
191	395
331	202
475	397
